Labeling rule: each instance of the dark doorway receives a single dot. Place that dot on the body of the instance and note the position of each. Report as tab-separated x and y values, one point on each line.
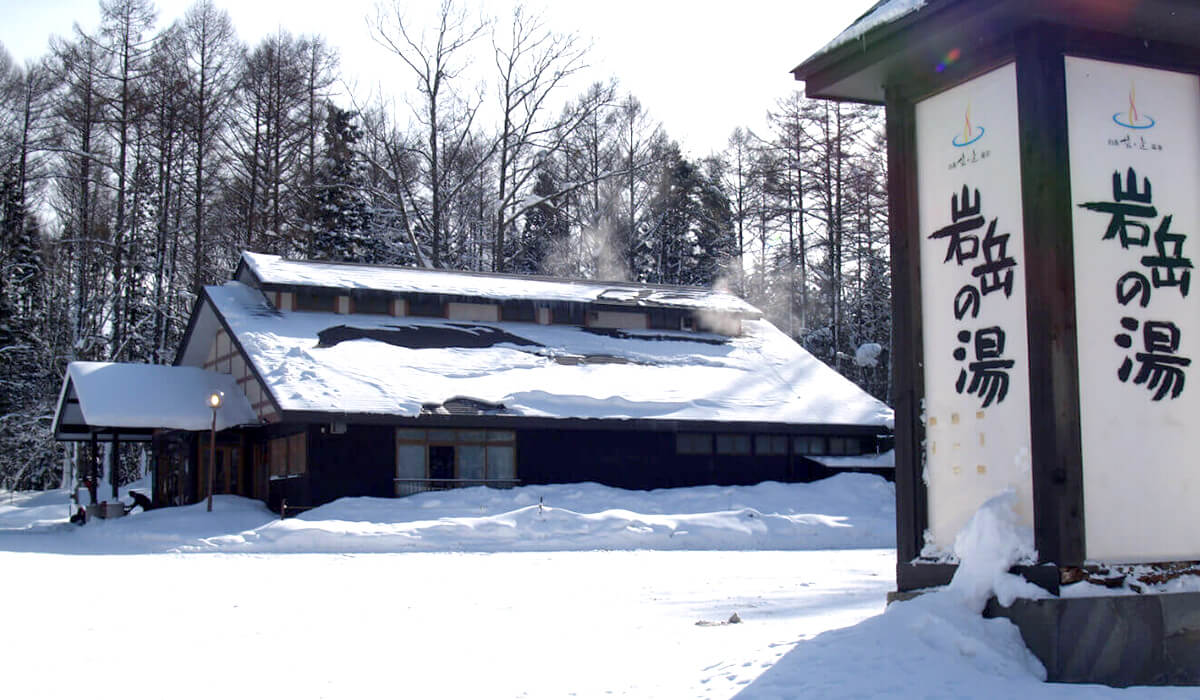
441	461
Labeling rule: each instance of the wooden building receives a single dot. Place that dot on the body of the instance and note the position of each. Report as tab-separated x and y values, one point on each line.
383	381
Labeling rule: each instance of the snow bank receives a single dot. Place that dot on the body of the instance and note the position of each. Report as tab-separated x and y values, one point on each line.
846	511
939	639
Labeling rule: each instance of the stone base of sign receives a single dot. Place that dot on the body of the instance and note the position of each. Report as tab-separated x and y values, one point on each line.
1114	640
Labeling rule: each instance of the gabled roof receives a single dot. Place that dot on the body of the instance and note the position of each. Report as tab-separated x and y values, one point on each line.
367	365
271	270
135	399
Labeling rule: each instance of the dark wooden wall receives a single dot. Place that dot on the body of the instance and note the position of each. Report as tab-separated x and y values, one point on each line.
637	460
361	462
358	462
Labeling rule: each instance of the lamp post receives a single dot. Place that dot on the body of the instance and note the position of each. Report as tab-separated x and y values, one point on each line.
214	402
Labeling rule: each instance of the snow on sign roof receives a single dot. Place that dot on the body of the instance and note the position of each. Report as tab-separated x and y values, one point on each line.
272	269
140	396
884	12
366	364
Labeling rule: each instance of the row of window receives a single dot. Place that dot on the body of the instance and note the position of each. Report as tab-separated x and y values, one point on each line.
454	455
429	306
743	444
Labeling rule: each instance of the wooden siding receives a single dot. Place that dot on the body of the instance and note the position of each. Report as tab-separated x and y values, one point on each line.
225	358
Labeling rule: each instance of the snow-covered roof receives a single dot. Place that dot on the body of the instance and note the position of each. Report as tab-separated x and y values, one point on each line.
145	397
368	364
274	270
883	12
883	460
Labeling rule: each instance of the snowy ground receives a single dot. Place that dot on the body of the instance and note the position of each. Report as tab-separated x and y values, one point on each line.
592	592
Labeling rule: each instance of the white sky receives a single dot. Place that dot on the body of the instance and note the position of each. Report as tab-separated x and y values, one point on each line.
701	67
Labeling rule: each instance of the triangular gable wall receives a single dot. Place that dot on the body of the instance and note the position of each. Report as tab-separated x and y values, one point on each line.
209	338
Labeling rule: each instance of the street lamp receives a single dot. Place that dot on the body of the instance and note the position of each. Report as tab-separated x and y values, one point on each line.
214	402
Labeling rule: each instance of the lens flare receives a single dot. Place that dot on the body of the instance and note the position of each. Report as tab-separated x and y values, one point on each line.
949	59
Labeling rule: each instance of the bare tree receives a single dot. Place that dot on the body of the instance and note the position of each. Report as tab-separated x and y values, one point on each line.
393	174
168	143
268	135
124	26
212	52
532	62
444	112
320	64
78	68
641	140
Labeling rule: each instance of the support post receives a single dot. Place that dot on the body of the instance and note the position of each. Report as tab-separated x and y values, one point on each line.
93	469
212	457
114	464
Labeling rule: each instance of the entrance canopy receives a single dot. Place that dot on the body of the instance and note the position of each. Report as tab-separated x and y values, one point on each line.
134	400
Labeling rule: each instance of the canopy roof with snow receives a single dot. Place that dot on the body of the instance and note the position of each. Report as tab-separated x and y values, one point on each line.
320	365
132	400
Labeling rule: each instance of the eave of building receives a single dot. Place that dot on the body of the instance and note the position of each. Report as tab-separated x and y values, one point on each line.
516	422
910	49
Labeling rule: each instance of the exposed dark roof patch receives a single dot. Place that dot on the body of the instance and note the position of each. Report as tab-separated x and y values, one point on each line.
450	335
463	406
679	338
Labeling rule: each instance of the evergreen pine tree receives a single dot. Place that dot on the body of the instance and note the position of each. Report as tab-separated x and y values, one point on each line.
343	213
546	229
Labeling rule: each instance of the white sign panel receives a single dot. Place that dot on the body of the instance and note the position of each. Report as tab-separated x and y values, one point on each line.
972	253
1134	136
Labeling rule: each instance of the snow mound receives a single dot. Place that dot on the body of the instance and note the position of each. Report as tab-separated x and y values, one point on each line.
987	547
940	636
845	511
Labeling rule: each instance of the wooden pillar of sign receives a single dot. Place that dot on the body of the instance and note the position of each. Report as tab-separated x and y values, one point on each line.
911	509
1057	467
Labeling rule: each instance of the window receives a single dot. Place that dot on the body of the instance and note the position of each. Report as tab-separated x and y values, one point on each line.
733	444
453	455
567	314
810	445
770	445
522	311
693	443
665	319
410	461
288	456
501	462
315	300
472	462
425	306
372	303
845	446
